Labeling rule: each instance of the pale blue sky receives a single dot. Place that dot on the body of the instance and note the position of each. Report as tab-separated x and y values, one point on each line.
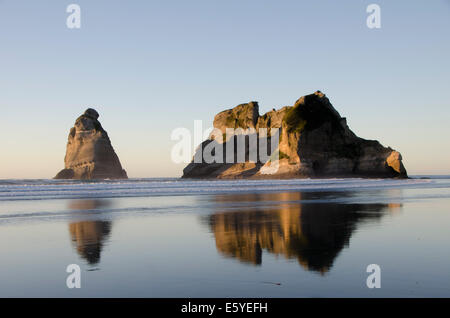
151	66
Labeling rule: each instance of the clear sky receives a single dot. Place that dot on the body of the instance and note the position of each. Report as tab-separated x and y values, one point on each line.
151	66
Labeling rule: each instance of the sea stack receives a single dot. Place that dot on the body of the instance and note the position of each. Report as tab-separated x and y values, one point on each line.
89	153
314	141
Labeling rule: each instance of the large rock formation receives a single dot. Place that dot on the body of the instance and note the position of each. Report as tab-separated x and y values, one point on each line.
90	154
314	141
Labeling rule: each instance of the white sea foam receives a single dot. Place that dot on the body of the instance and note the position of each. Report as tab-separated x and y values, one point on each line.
71	189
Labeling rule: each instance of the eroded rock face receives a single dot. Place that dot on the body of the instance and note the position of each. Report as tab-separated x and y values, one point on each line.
89	153
314	141
242	116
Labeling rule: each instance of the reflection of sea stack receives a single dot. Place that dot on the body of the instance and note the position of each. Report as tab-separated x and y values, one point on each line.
88	236
314	141
312	233
89	153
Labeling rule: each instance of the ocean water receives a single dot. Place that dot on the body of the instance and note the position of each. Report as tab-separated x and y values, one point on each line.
225	238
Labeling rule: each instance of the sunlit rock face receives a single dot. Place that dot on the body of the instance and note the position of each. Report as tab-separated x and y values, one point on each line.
314	141
89	153
314	234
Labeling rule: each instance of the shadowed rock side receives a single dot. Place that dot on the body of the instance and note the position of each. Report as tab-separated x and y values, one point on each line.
313	233
89	153
314	141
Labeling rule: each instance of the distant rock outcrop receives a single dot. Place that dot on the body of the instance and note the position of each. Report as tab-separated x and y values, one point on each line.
89	153
314	141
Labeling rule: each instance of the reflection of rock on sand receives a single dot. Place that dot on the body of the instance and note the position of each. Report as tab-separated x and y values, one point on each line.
88	237
314	233
88	204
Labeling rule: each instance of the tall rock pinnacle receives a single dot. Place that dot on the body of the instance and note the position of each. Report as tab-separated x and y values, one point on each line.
89	153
